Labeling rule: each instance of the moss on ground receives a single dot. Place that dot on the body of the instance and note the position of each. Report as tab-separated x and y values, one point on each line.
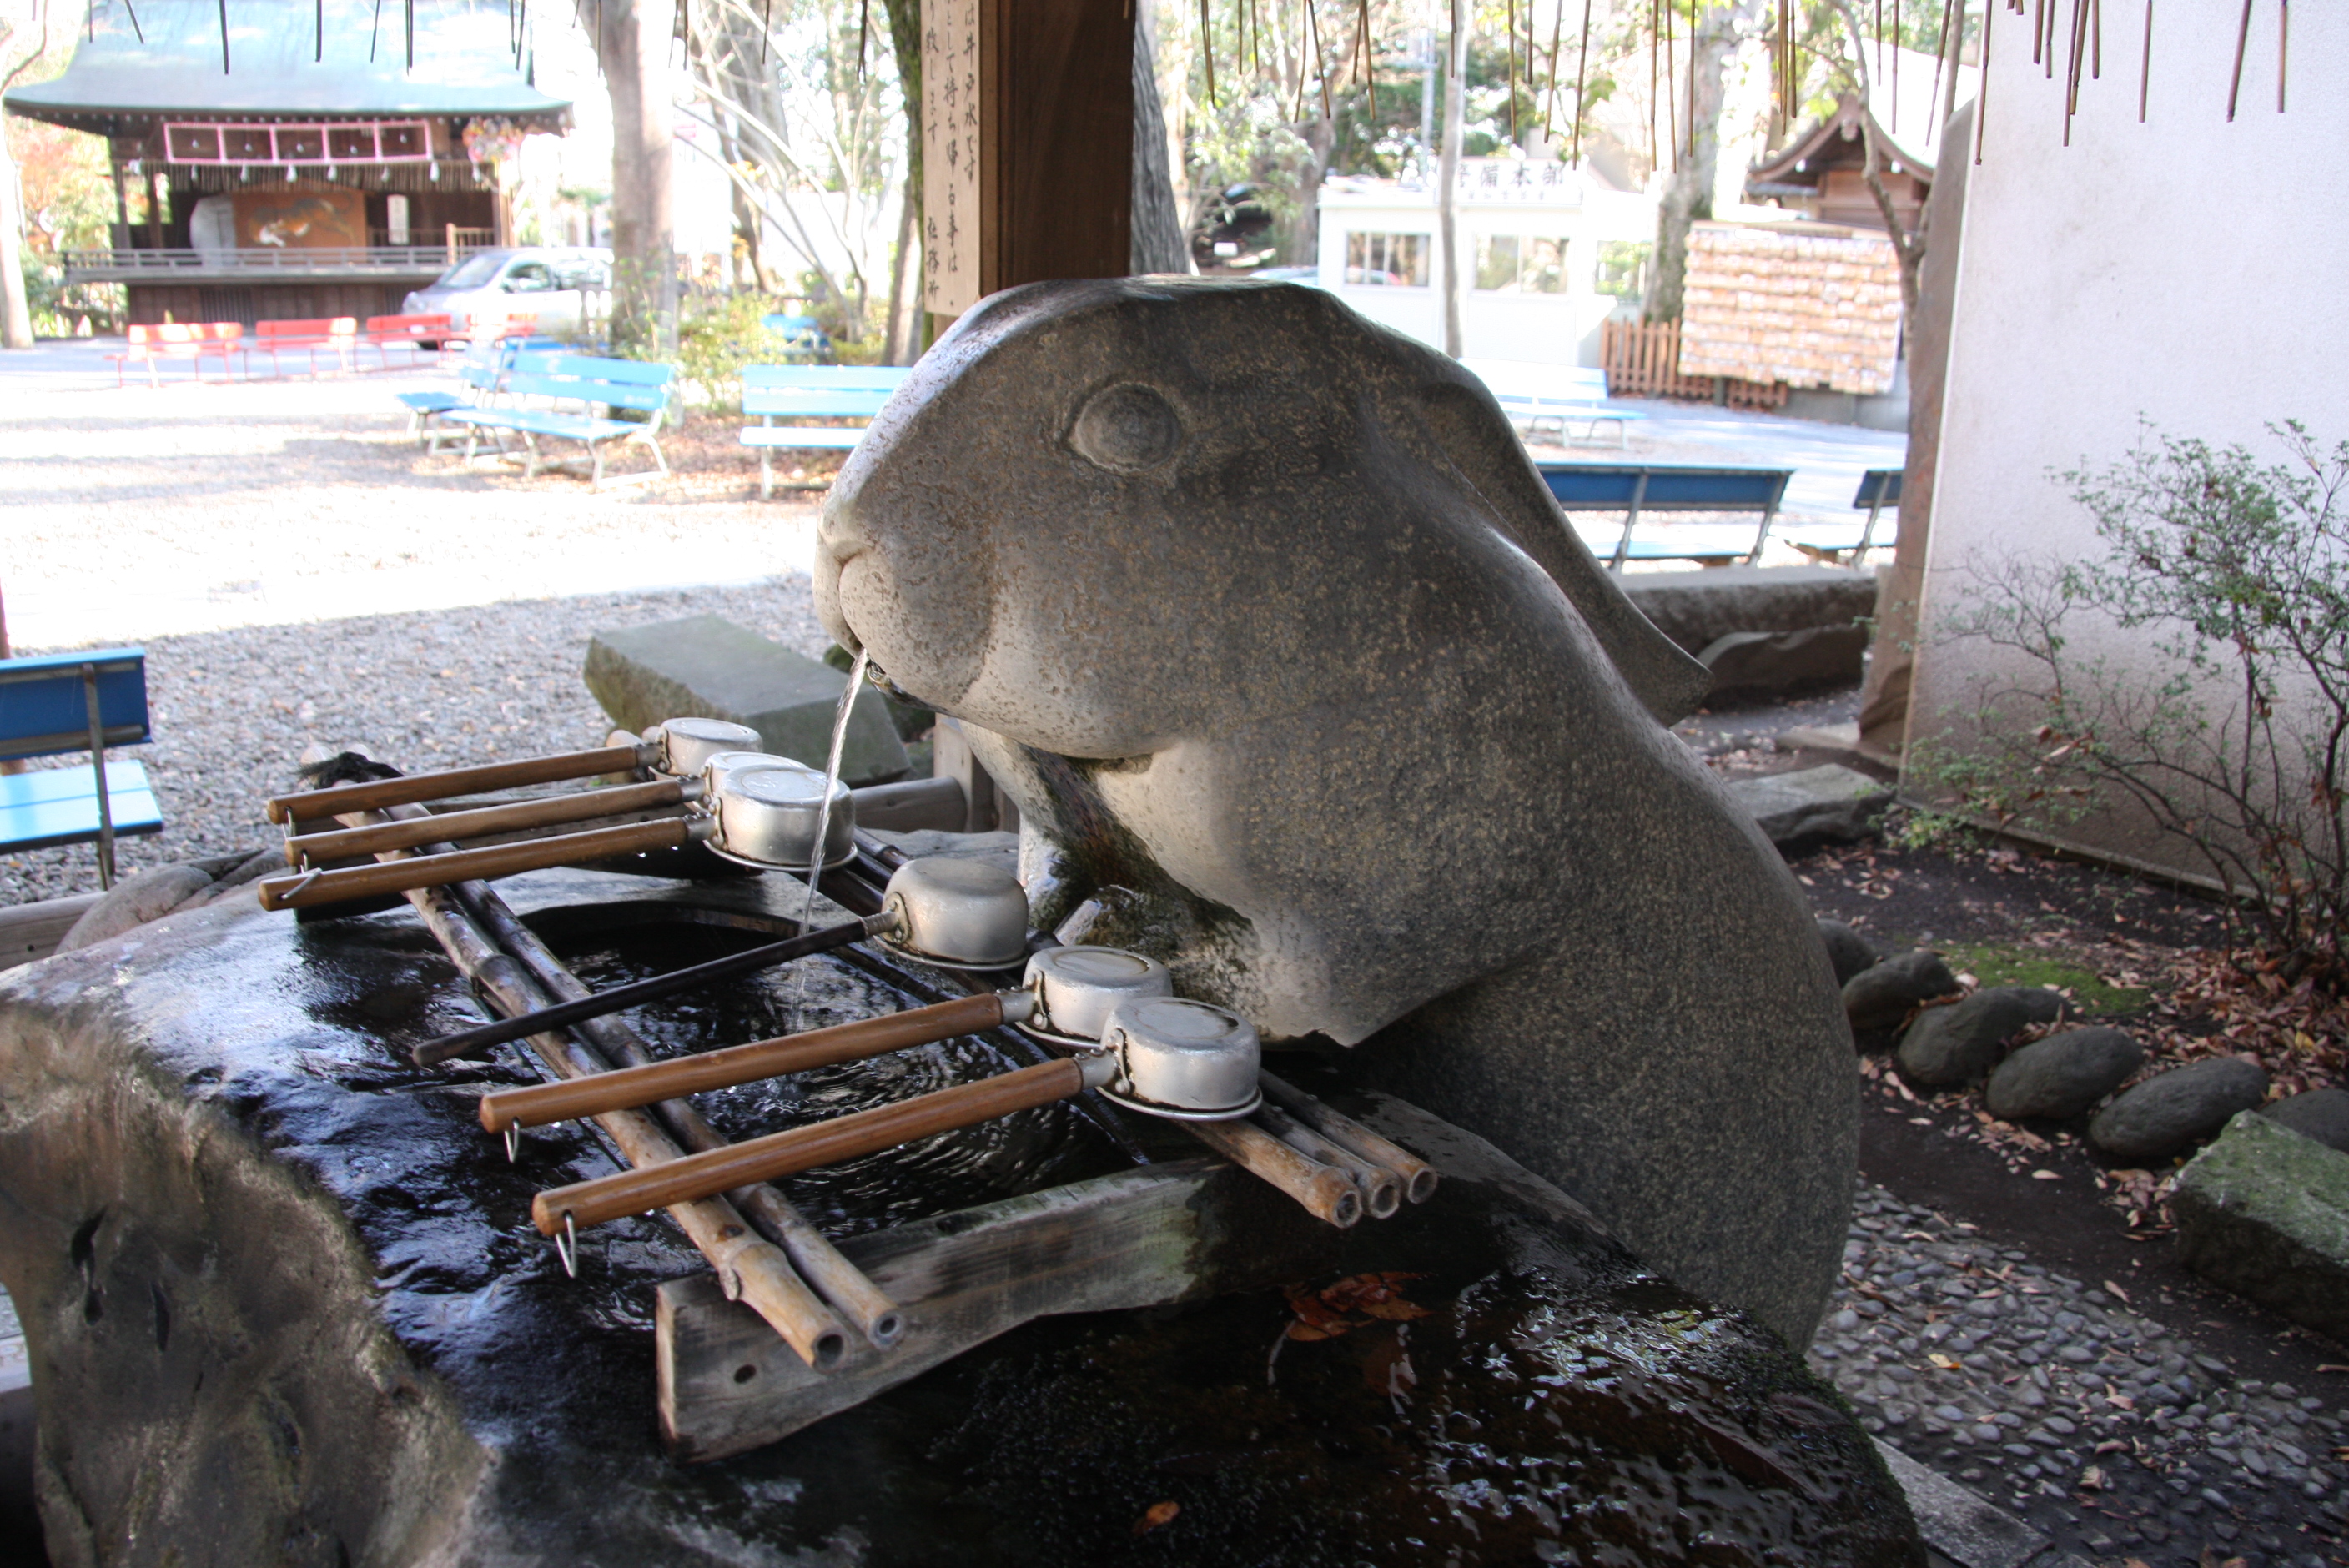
1997	963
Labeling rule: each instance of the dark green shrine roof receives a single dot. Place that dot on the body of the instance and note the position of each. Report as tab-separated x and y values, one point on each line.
139	59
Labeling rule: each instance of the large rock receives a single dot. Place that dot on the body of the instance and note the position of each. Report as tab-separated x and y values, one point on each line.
2171	1112
707	666
286	1306
1261	611
1753	664
1830	801
1696	609
2321	1113
1958	1043
1847	951
2062	1075
2264	1212
1881	996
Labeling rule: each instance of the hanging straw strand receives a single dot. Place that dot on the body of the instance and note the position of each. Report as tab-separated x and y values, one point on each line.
2242	37
1370	74
1981	92
2283	46
1581	65
1557	35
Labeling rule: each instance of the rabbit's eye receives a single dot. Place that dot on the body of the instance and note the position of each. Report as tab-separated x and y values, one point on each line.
1126	429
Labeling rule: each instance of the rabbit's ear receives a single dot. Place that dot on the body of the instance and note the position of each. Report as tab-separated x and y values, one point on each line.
1474	434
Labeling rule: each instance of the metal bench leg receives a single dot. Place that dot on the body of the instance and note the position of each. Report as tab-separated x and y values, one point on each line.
98	765
1630	522
1762	535
595	461
1867	534
529	455
767	485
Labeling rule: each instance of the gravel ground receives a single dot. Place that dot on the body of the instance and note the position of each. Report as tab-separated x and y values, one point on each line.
2048	1395
233	711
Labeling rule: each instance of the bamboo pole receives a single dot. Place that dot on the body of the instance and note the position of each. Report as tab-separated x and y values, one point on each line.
1326	1192
375	793
596	1004
751	1268
839	1282
849	1137
1382	1193
706	1071
409	870
1417	1176
455	827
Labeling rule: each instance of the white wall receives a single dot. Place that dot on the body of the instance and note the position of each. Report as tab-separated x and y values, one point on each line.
2186	270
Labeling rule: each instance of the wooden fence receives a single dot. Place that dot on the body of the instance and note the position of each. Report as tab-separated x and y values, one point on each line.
1644	360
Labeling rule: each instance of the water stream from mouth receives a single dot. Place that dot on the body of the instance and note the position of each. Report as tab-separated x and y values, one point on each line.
823	815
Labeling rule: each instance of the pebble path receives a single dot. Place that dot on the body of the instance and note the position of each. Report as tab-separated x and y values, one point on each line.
234	710
2048	1395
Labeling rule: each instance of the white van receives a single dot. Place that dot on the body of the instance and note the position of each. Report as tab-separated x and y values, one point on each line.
550	283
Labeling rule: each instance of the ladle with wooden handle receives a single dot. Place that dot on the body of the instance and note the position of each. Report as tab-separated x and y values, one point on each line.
474	1041
591	1203
503	1109
760	811
518	816
679	748
1165	1055
316	887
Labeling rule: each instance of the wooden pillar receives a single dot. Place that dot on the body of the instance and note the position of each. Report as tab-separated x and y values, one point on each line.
1028	144
154	212
635	50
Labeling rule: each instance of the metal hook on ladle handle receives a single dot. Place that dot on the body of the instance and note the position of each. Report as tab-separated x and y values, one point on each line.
628	1088
851	1137
474	1041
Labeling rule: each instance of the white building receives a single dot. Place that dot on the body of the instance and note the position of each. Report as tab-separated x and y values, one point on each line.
1550	252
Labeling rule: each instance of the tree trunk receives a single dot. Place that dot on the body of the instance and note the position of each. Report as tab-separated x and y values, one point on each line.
906	42
1688	193
898	346
1455	72
15	314
644	245
1156	239
1303	247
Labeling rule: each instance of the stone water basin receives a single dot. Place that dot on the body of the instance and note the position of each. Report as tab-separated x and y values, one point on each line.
285	1305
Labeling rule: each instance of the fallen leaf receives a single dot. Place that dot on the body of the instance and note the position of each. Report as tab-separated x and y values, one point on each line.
2093	1478
2117	1290
2328	1366
1946	1363
1159	1513
2120	1401
2036	1175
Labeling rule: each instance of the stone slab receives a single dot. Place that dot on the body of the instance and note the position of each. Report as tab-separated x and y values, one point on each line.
2264	1212
1830	801
1962	1527
707	666
285	1305
1696	609
1782	662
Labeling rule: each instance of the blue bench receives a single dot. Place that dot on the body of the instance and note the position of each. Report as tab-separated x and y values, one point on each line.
572	386
801	334
812	392
1634	489
481	379
1878	488
1535	396
63	703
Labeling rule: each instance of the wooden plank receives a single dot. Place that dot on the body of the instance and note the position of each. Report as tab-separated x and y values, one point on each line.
1139	1238
30	931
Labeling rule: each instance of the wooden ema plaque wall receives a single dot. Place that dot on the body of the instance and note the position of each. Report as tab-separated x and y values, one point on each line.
1027	145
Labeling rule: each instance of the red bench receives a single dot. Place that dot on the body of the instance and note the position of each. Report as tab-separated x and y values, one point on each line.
340	333
417	334
179	340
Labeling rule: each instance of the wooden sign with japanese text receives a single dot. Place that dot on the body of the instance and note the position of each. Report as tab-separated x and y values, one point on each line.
951	186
